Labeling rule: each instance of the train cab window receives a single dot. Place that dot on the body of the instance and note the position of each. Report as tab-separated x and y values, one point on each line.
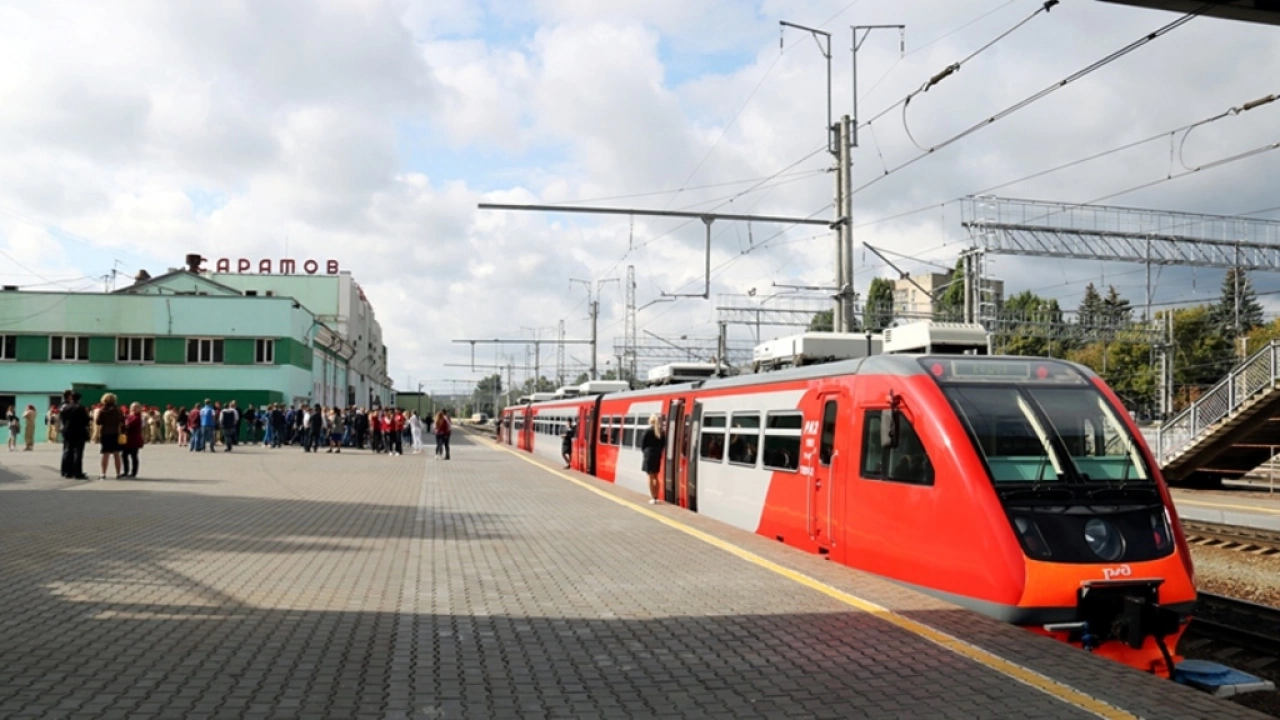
615	431
744	438
711	442
828	432
906	463
782	441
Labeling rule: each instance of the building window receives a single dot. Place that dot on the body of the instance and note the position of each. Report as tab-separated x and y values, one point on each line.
69	348
204	350
264	352
8	347
135	350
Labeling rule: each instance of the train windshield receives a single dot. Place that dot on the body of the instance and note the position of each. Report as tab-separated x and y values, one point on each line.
1048	434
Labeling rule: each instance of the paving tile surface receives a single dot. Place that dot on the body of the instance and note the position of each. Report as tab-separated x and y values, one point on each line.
274	584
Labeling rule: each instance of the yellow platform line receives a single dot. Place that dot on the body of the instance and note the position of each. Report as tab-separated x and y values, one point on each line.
1027	676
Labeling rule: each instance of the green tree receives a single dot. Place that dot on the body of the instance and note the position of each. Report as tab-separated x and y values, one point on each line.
950	304
1115	309
1237	311
1027	326
1202	351
879	308
1090	310
1126	367
822	321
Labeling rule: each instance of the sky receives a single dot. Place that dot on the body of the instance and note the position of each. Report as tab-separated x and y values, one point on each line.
367	131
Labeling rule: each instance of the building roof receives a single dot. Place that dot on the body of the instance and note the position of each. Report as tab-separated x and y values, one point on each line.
161	282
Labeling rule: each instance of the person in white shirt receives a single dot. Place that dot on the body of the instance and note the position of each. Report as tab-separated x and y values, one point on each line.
415	429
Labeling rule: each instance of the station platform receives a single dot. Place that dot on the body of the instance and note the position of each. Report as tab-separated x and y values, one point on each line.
1249	505
275	584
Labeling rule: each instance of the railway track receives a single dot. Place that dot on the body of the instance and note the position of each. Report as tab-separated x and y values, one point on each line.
1237	622
1232	537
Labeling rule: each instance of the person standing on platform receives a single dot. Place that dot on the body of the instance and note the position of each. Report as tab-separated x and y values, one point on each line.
443	428
51	423
315	428
110	422
208	421
566	444
335	430
134	440
230	425
29	428
75	433
14	424
396	419
375	431
415	431
652	446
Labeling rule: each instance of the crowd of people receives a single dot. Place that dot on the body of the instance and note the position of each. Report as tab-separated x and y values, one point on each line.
121	431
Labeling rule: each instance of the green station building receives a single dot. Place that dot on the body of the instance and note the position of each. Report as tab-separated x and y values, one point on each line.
188	335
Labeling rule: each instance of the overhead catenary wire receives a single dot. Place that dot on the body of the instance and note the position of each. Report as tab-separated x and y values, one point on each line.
1166	134
955	67
1034	97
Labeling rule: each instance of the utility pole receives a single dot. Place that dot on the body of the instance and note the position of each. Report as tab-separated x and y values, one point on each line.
630	329
594	306
560	356
842	188
848	140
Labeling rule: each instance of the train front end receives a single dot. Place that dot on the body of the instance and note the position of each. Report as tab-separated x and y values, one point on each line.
1106	566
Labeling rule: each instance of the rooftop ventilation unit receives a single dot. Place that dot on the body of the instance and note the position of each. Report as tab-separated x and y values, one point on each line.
601	387
813	348
536	397
928	337
675	373
567	391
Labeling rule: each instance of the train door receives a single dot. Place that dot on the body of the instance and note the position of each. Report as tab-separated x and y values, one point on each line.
693	428
671	463
822	468
582	439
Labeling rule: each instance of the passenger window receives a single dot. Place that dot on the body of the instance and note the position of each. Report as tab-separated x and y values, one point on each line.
782	441
629	432
744	438
711	444
604	430
828	432
615	431
907	463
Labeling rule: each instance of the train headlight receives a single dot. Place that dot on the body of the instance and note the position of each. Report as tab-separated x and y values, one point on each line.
1104	540
1032	539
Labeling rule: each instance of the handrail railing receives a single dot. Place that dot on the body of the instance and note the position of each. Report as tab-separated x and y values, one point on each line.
1256	374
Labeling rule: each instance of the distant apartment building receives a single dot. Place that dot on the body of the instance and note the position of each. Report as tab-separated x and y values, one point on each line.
915	299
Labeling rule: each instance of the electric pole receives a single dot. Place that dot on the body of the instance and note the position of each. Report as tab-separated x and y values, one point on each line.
593	304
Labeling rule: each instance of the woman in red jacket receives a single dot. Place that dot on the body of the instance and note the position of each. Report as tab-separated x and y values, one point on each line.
133	427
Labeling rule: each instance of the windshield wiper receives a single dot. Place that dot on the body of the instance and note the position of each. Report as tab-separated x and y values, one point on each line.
1037	492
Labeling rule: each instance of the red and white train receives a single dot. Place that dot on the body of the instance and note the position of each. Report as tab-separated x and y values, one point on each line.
1017	487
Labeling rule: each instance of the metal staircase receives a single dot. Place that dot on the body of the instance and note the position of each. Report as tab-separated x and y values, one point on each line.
1231	429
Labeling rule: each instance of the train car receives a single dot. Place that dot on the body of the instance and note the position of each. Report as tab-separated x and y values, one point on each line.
1017	487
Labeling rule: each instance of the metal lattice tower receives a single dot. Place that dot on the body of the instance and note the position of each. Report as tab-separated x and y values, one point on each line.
629	352
560	380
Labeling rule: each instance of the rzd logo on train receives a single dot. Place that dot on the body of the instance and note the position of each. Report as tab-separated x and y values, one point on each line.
1116	572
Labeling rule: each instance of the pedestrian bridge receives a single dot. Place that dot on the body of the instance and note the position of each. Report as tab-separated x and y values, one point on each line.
1230	430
